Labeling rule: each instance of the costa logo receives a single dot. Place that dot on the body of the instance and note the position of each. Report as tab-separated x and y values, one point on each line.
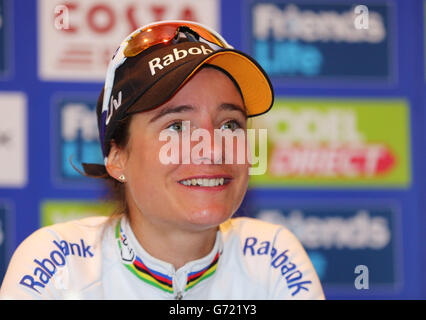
101	18
79	37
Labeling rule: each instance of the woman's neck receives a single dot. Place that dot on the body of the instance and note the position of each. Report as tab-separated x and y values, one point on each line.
170	243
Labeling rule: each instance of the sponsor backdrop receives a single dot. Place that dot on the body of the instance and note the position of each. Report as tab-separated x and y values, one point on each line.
3	34
346	139
5	236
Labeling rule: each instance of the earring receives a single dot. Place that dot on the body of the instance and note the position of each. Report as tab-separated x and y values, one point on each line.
122	178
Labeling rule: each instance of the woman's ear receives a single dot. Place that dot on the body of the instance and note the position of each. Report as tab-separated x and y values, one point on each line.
116	162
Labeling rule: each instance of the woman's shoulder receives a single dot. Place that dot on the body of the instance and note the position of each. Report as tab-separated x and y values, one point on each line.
272	257
252	227
74	230
74	245
254	235
81	230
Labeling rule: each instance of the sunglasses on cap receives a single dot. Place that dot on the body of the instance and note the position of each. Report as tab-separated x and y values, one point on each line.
165	31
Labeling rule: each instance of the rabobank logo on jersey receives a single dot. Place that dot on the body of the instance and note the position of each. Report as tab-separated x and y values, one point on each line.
45	268
78	136
324	40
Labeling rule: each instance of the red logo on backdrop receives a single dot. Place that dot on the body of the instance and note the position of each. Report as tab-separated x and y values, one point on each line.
76	19
110	17
367	160
79	37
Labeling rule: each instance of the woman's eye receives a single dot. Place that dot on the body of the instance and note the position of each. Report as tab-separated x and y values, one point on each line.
176	126
231	125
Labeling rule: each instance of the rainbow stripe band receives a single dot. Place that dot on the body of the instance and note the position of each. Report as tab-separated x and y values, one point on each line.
158	279
198	276
138	268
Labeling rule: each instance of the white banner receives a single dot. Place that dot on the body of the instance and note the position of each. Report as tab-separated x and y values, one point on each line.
13	140
77	38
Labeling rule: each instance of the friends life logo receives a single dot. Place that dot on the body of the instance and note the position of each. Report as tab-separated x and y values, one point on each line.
321	40
79	137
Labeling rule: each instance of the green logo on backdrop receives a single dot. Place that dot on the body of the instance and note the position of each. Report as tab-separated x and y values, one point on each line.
61	211
336	142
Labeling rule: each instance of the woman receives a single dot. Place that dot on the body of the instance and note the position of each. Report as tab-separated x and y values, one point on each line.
172	236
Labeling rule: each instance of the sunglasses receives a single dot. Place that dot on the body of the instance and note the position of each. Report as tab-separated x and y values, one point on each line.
166	31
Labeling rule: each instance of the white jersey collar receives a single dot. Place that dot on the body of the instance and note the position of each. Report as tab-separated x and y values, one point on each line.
159	273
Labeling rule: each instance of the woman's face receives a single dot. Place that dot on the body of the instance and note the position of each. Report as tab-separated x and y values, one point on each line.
164	193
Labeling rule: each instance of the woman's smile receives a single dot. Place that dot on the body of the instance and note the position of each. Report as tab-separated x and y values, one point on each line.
216	182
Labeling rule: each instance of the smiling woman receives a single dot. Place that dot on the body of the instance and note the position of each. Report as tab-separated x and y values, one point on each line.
172	235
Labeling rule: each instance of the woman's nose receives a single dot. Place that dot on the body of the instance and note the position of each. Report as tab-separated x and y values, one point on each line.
212	145
206	146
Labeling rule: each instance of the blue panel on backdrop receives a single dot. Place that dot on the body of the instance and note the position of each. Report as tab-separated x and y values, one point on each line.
3	32
4	234
309	40
338	238
77	135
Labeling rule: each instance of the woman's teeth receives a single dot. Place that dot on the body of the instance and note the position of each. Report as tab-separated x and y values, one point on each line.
203	182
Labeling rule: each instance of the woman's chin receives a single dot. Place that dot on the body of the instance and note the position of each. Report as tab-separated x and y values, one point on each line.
208	217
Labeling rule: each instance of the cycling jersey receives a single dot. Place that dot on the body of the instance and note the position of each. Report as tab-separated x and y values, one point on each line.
97	258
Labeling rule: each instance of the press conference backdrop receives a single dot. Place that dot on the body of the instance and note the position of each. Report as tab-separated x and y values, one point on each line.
346	149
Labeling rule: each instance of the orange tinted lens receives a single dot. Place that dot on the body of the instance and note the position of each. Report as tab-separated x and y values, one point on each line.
162	33
149	37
